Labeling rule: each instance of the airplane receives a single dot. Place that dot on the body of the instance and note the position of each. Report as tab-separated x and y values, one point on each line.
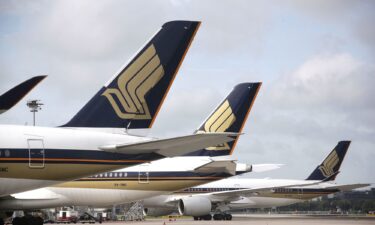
14	95
158	177
33	157
224	195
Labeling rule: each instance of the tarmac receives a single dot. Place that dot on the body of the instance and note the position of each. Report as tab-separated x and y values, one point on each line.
264	220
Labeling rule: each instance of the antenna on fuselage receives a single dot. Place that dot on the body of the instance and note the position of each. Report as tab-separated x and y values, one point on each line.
127	127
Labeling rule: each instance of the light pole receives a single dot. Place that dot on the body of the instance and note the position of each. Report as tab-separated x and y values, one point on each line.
35	106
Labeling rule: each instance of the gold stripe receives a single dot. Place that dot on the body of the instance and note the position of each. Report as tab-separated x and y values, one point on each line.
172	185
151	178
54	171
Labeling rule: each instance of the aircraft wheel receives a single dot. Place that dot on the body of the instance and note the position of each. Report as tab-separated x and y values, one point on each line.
39	220
1	221
33	220
228	217
218	217
207	217
19	221
196	217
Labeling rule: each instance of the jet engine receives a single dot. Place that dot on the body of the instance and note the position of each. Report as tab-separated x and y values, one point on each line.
194	206
157	211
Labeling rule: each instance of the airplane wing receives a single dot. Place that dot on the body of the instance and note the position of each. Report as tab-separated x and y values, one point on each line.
217	165
348	187
236	194
33	199
175	146
258	168
14	95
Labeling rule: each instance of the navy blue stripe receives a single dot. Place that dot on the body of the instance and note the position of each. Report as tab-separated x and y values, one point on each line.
157	175
77	155
276	191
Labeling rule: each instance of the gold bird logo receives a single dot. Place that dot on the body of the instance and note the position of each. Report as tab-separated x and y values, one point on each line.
128	99
220	121
329	164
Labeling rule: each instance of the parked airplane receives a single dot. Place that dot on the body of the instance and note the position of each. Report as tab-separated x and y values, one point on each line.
158	177
33	157
224	195
14	95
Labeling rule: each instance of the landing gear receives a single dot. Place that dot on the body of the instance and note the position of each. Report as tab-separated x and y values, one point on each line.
30	220
205	217
223	216
218	217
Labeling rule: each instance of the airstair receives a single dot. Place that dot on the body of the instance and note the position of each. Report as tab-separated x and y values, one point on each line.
134	211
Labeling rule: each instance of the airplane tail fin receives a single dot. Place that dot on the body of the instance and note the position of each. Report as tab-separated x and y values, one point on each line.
229	116
330	167
14	95
134	96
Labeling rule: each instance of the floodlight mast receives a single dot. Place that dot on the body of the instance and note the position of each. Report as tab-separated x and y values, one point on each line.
35	106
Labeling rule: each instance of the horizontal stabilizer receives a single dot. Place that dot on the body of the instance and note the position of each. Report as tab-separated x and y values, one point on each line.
221	166
173	146
14	95
258	168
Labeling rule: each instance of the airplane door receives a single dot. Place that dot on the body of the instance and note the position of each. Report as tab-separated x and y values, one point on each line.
300	192
143	175
36	153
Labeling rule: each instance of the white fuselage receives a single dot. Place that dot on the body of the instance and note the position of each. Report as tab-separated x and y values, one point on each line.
118	187
255	200
33	157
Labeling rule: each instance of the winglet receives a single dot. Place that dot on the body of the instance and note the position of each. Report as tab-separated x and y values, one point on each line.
14	95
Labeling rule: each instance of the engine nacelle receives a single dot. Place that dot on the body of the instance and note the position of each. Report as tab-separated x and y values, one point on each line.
194	206
158	211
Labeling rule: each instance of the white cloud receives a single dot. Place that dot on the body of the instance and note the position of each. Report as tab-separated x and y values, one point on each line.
304	113
330	79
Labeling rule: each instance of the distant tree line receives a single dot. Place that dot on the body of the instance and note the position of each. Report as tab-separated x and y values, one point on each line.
333	205
344	202
352	202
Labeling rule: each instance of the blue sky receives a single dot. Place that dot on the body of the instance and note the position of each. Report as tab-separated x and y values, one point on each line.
315	59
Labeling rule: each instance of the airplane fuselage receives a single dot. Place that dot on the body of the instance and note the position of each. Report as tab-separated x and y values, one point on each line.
109	189
122	186
33	157
275	197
